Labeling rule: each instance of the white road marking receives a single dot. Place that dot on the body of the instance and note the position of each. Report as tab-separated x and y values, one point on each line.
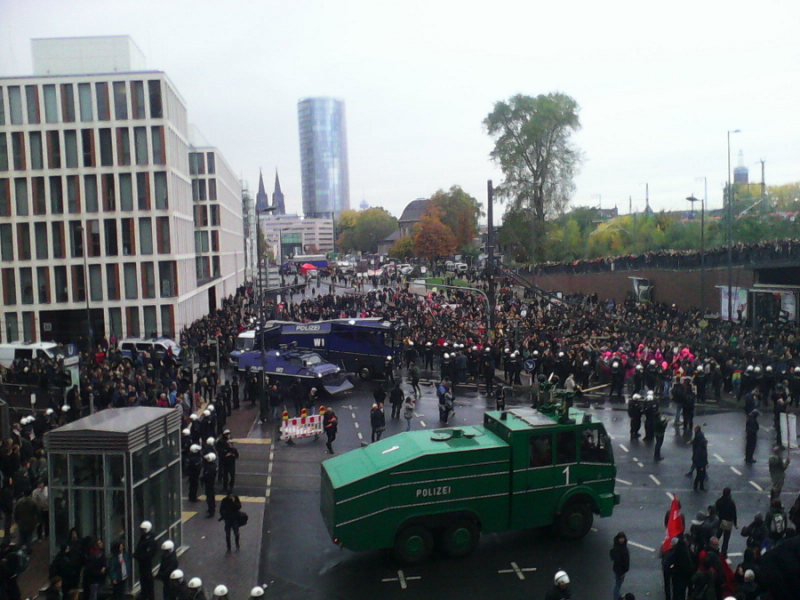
623	481
519	572
624	448
613	437
735	470
734	554
360	437
595	529
354	415
655	479
422	423
755	485
670	495
269	480
401	577
642	546
719	458
356	424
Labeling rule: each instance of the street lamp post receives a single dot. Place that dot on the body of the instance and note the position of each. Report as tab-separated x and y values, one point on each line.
692	199
730	227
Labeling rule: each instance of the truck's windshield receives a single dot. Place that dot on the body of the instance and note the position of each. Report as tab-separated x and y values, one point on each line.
245	344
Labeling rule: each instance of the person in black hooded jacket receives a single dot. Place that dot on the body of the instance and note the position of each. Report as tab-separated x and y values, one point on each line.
621	560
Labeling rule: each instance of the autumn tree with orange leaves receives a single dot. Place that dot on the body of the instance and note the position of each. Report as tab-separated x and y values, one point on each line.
432	238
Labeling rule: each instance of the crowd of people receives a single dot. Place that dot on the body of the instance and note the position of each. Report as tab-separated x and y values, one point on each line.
582	342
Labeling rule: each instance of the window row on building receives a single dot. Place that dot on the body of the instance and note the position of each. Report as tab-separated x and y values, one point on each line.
75	194
206	268
101	238
207	216
85	102
112	282
76	148
131	321
202	163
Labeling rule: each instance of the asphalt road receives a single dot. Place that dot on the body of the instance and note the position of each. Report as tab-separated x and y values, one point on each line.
299	555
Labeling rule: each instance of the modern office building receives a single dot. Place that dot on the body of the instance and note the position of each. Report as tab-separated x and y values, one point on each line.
323	157
250	224
99	205
288	235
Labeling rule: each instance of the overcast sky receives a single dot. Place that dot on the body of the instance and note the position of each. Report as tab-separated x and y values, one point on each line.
659	84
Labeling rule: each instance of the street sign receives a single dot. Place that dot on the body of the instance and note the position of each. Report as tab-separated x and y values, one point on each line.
71	350
530	365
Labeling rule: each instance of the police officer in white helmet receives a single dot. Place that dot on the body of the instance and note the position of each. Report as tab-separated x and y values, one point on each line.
196	589
257	592
560	589
168	564
144	554
220	592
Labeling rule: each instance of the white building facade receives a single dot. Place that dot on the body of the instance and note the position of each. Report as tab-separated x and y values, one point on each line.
97	212
292	234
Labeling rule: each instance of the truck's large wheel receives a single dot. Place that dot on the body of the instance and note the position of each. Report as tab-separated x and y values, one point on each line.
365	373
413	544
460	538
575	520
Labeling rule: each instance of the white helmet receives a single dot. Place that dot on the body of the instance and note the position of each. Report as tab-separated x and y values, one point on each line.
187	432
615	364
146	526
176	574
769	369
749	368
796	370
650	395
49	412
637	397
257	592
195	582
474	348
168	546
193	417
758	369
586	363
65	408
220	591
446	356
262	591
210	457
561	578
699	368
652	364
206	413
195	448
639	368
210	441
560	355
210	408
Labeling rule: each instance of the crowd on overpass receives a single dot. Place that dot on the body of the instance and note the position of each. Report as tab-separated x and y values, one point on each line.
741	254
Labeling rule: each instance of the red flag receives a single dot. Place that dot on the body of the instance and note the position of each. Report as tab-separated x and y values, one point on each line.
674	524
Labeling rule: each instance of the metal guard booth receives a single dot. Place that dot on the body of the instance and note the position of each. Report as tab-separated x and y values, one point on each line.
112	470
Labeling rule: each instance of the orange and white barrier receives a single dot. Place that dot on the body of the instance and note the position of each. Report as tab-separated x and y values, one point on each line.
300	427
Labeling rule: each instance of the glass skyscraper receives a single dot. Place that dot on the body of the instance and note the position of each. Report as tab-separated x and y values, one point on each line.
323	157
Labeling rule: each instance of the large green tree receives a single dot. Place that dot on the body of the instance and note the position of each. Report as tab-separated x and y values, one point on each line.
363	230
534	148
459	211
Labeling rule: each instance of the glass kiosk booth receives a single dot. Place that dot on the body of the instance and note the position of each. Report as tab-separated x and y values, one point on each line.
112	470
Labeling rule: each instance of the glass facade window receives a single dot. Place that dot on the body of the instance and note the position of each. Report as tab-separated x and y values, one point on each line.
109	192
37	156
23	241
123	146
212	163
43	284
78	284
62	293
18	150
2	108
29	326
38	196
56	196
212	189
15	105
9	287
3	152
103	111
94	246
125	192
167	320
215	215
32	102
67	103
59	247
148	281
168	277
120	101
115	320
73	194
21	196
50	104
95	283
151	329
128	237
6	242
163	240
71	148
5	197
90	193
112	249
143	191
40	234
159	156
12	327
154	87
140	142
160	183
112	282
145	235
85	101
53	150
137	99
132	322
26	285
87	143
76	239
106	149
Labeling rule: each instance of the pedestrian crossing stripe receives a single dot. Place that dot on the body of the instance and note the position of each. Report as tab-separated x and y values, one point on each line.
259	441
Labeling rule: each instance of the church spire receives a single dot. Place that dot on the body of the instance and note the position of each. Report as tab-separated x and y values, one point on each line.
277	197
262	200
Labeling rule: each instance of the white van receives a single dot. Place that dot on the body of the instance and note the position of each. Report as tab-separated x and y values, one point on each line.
159	347
11	352
460	268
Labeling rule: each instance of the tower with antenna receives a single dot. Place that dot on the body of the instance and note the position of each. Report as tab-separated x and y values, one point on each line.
741	174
